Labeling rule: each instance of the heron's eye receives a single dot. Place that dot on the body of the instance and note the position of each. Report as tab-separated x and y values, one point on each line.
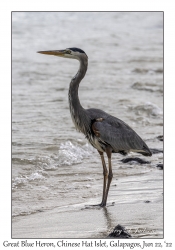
68	52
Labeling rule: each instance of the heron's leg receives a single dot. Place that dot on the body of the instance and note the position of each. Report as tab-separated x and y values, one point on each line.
105	176
110	175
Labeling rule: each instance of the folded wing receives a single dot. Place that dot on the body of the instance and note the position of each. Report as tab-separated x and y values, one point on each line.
119	135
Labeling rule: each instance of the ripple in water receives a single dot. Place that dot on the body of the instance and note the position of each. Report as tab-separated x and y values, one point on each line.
149	108
18	181
68	154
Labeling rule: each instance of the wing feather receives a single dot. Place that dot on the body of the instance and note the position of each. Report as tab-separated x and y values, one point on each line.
118	134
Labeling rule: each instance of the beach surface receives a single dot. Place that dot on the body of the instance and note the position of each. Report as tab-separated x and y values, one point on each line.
138	207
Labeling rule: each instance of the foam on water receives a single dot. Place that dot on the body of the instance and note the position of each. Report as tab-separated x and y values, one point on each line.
70	153
18	181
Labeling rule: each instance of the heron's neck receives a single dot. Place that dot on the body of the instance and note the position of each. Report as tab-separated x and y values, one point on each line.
78	113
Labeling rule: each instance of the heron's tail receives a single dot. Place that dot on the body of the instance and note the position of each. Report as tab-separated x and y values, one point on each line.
146	151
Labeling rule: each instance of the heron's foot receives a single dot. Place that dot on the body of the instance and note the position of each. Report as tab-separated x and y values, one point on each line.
110	204
100	205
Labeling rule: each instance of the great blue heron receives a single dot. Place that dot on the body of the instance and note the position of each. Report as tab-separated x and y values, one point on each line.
105	132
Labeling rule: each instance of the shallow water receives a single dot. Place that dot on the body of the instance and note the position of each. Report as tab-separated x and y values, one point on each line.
53	166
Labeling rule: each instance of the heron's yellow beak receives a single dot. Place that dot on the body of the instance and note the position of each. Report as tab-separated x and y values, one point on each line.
53	52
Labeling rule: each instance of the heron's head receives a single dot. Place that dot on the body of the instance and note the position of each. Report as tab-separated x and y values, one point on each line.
73	53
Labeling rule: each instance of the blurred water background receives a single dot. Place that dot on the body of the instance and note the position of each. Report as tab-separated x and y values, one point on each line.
52	164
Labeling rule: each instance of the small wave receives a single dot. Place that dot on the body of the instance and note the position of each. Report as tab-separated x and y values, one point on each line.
147	87
69	153
18	181
148	71
23	161
148	108
27	212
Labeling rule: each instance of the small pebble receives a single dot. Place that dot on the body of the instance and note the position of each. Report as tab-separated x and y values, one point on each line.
160	137
159	166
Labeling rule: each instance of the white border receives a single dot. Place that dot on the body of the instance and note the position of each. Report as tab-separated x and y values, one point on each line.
5	92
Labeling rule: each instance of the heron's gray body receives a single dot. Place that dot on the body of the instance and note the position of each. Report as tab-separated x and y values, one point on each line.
105	132
113	132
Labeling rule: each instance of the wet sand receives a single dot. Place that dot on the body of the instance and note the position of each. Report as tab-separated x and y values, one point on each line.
138	207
